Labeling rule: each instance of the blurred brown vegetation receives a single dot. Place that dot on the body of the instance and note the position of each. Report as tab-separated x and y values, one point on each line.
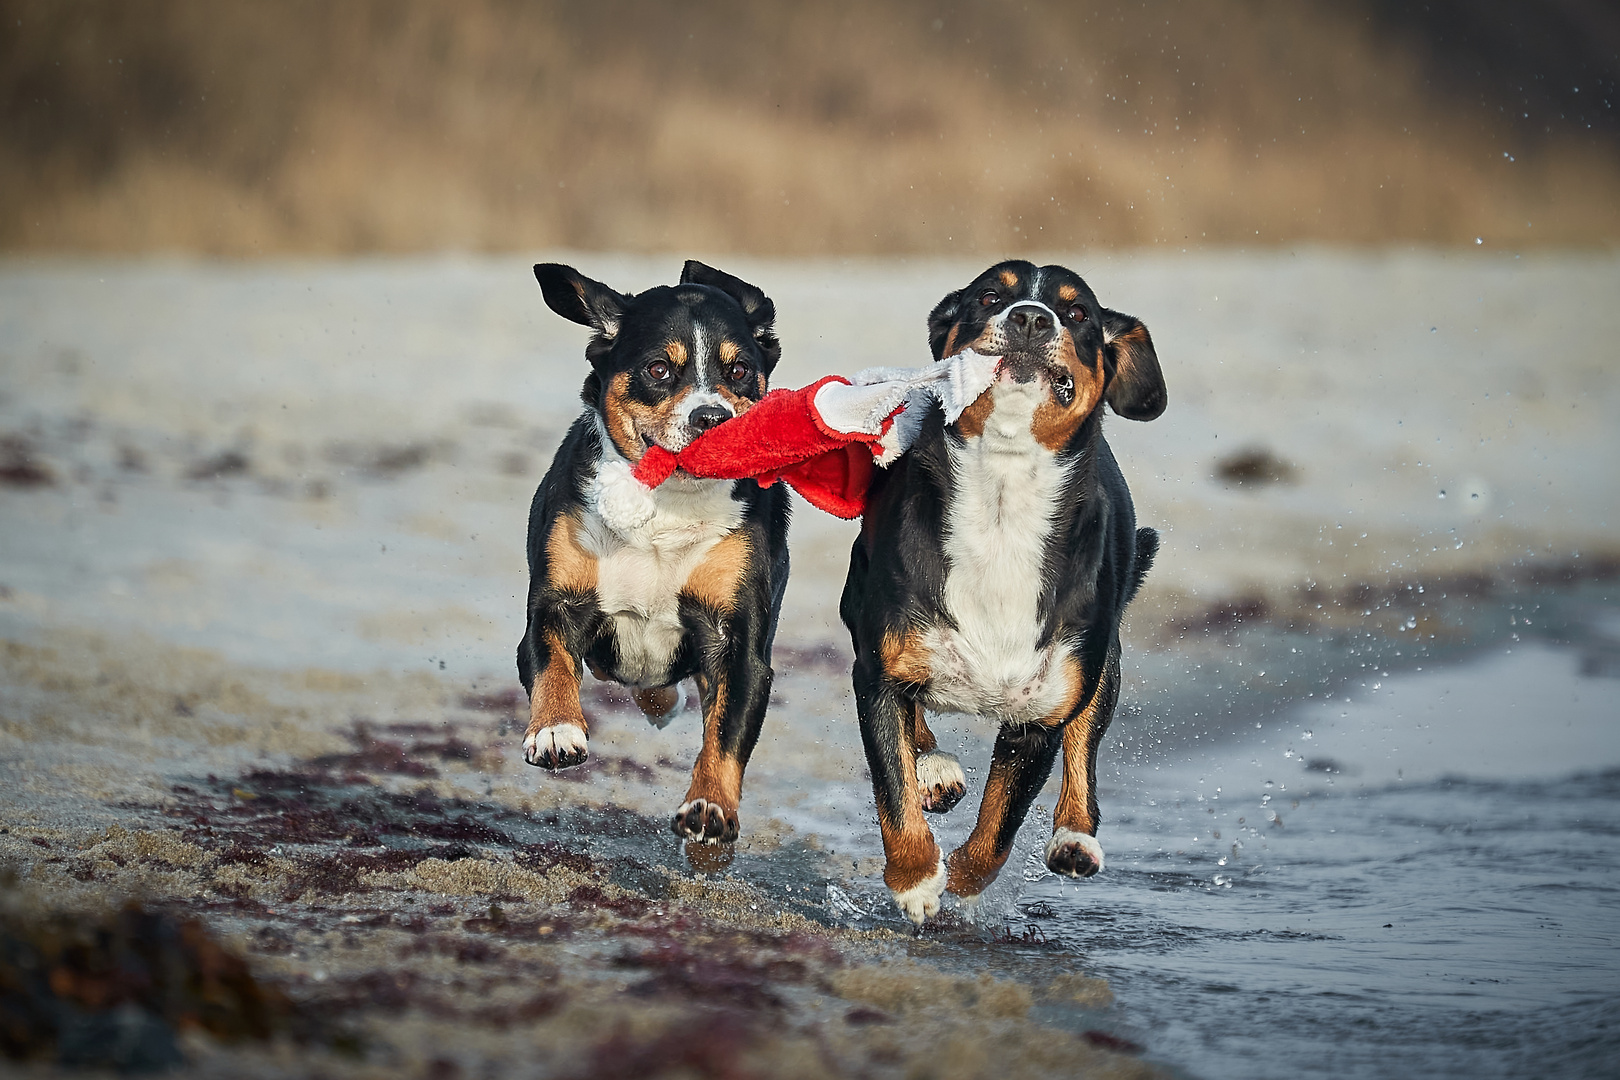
232	127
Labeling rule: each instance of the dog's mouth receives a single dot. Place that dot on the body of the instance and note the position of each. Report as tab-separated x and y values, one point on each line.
1032	367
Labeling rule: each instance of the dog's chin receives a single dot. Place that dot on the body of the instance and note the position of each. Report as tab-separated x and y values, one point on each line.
1052	377
672	441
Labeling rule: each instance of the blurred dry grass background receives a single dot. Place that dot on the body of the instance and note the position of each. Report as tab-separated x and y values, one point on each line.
225	126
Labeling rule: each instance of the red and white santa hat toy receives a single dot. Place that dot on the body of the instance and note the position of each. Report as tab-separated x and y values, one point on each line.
825	439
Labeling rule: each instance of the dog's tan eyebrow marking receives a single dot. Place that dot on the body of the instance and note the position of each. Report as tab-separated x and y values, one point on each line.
676	351
1008	278
739	404
1067	292
729	351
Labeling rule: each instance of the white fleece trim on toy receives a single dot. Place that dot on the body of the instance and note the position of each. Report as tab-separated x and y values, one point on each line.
867	400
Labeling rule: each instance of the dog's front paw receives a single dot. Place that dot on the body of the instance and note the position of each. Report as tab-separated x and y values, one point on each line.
921	901
940	780
1073	853
705	822
560	746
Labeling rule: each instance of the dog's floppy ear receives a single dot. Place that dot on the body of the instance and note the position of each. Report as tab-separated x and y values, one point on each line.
941	319
579	299
757	308
1137	390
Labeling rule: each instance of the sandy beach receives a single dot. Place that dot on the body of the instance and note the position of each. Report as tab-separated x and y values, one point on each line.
261	578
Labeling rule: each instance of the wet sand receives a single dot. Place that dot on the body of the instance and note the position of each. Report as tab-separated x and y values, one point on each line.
262	573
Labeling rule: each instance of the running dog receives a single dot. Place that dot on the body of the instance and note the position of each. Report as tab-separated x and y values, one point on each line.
994	562
651	586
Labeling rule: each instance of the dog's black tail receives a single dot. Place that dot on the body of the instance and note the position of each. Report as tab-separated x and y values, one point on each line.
1147	546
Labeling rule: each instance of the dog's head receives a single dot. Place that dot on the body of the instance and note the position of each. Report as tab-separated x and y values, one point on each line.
672	362
1048	328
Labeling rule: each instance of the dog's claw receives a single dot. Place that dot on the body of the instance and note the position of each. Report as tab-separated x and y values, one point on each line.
561	746
940	781
704	822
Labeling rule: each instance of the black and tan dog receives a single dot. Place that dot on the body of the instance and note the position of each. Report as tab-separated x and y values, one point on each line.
994	562
649	587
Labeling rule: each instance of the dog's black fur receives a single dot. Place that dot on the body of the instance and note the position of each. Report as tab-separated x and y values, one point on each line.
964	501
666	364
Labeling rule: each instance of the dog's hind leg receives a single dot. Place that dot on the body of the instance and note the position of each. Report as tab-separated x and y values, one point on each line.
557	735
1020	764
659	704
1073	849
940	780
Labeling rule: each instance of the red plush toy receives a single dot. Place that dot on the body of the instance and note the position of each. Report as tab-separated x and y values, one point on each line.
825	439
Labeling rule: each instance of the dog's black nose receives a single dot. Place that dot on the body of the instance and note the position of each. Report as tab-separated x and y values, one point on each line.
1031	322
707	416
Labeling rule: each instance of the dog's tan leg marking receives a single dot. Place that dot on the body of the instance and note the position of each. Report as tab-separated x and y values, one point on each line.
1073	849
906	660
714	581
922	736
709	813
557	736
975	864
569	567
915	869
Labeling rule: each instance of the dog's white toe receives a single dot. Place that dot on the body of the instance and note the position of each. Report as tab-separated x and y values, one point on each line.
921	901
1074	854
560	746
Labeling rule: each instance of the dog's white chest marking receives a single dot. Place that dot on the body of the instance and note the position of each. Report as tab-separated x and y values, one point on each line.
996	532
647	543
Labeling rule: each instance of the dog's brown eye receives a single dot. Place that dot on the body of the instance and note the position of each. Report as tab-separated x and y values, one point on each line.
988	297
739	371
658	370
1078	312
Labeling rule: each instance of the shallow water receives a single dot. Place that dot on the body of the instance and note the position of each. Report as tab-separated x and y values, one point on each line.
1282	904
